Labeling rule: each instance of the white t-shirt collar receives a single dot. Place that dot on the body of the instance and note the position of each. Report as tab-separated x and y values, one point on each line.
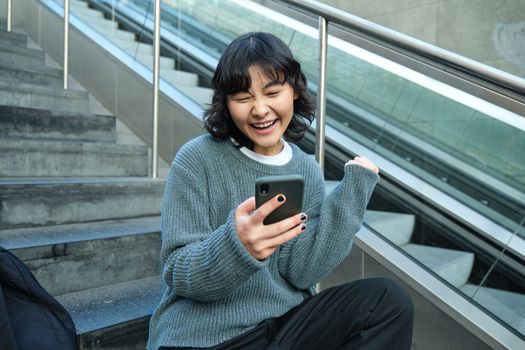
280	158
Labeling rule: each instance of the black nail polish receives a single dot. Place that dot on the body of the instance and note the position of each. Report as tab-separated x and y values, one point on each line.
303	217
280	198
303	227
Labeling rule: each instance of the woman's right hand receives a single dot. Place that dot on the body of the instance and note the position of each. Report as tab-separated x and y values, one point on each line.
365	163
262	240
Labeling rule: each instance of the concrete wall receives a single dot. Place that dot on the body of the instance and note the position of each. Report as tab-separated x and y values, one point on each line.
488	31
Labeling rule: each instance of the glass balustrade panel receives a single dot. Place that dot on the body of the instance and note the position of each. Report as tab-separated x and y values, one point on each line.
498	286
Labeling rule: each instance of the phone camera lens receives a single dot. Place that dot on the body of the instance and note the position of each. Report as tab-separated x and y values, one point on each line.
265	188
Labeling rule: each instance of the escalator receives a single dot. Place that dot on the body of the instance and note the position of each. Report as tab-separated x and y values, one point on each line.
452	194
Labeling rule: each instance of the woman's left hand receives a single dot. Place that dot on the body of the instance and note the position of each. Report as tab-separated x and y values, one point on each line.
364	162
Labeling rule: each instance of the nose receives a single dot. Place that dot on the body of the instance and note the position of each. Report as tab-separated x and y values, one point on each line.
260	108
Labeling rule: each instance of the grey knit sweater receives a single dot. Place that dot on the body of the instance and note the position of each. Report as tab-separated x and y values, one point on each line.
215	289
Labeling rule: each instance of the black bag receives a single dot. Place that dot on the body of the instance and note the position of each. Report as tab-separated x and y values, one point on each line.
30	318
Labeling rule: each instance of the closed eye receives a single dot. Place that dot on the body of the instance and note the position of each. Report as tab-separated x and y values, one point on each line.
273	93
241	98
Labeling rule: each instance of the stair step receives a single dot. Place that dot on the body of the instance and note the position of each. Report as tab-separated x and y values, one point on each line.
13	39
86	11
32	237
32	158
200	94
14	56
117	33
506	305
396	227
99	253
115	316
177	77
147	60
36	96
43	202
32	75
452	265
78	3
98	22
45	124
133	46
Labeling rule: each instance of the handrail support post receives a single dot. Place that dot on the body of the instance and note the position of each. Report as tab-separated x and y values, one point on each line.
66	43
9	15
156	74
321	93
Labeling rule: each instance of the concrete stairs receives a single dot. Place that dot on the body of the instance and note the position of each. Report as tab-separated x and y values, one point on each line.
76	206
453	266
49	158
32	123
123	328
36	96
186	82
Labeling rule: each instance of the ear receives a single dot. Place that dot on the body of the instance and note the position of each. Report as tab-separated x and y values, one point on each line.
295	95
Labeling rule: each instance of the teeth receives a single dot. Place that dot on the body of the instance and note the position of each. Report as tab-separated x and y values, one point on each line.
263	125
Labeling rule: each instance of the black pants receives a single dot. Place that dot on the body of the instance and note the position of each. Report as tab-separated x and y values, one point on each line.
373	313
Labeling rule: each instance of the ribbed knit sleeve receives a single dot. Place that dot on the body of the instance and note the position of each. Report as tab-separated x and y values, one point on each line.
331	224
198	262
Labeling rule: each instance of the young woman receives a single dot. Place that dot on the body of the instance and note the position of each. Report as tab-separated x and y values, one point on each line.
235	283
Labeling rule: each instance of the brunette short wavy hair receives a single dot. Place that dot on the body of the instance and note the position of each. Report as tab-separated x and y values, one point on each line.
231	76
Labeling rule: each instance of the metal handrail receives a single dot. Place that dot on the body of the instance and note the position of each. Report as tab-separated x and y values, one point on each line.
9	14
401	40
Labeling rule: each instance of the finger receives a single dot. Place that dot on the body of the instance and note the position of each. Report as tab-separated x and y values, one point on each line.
352	161
285	237
357	159
264	210
246	207
285	225
364	160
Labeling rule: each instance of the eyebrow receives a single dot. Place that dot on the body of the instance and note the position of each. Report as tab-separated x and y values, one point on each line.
273	83
266	86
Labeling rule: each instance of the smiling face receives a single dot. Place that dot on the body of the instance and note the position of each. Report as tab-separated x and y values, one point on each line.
263	112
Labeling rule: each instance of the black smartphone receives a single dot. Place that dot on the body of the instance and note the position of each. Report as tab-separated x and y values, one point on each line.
292	186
